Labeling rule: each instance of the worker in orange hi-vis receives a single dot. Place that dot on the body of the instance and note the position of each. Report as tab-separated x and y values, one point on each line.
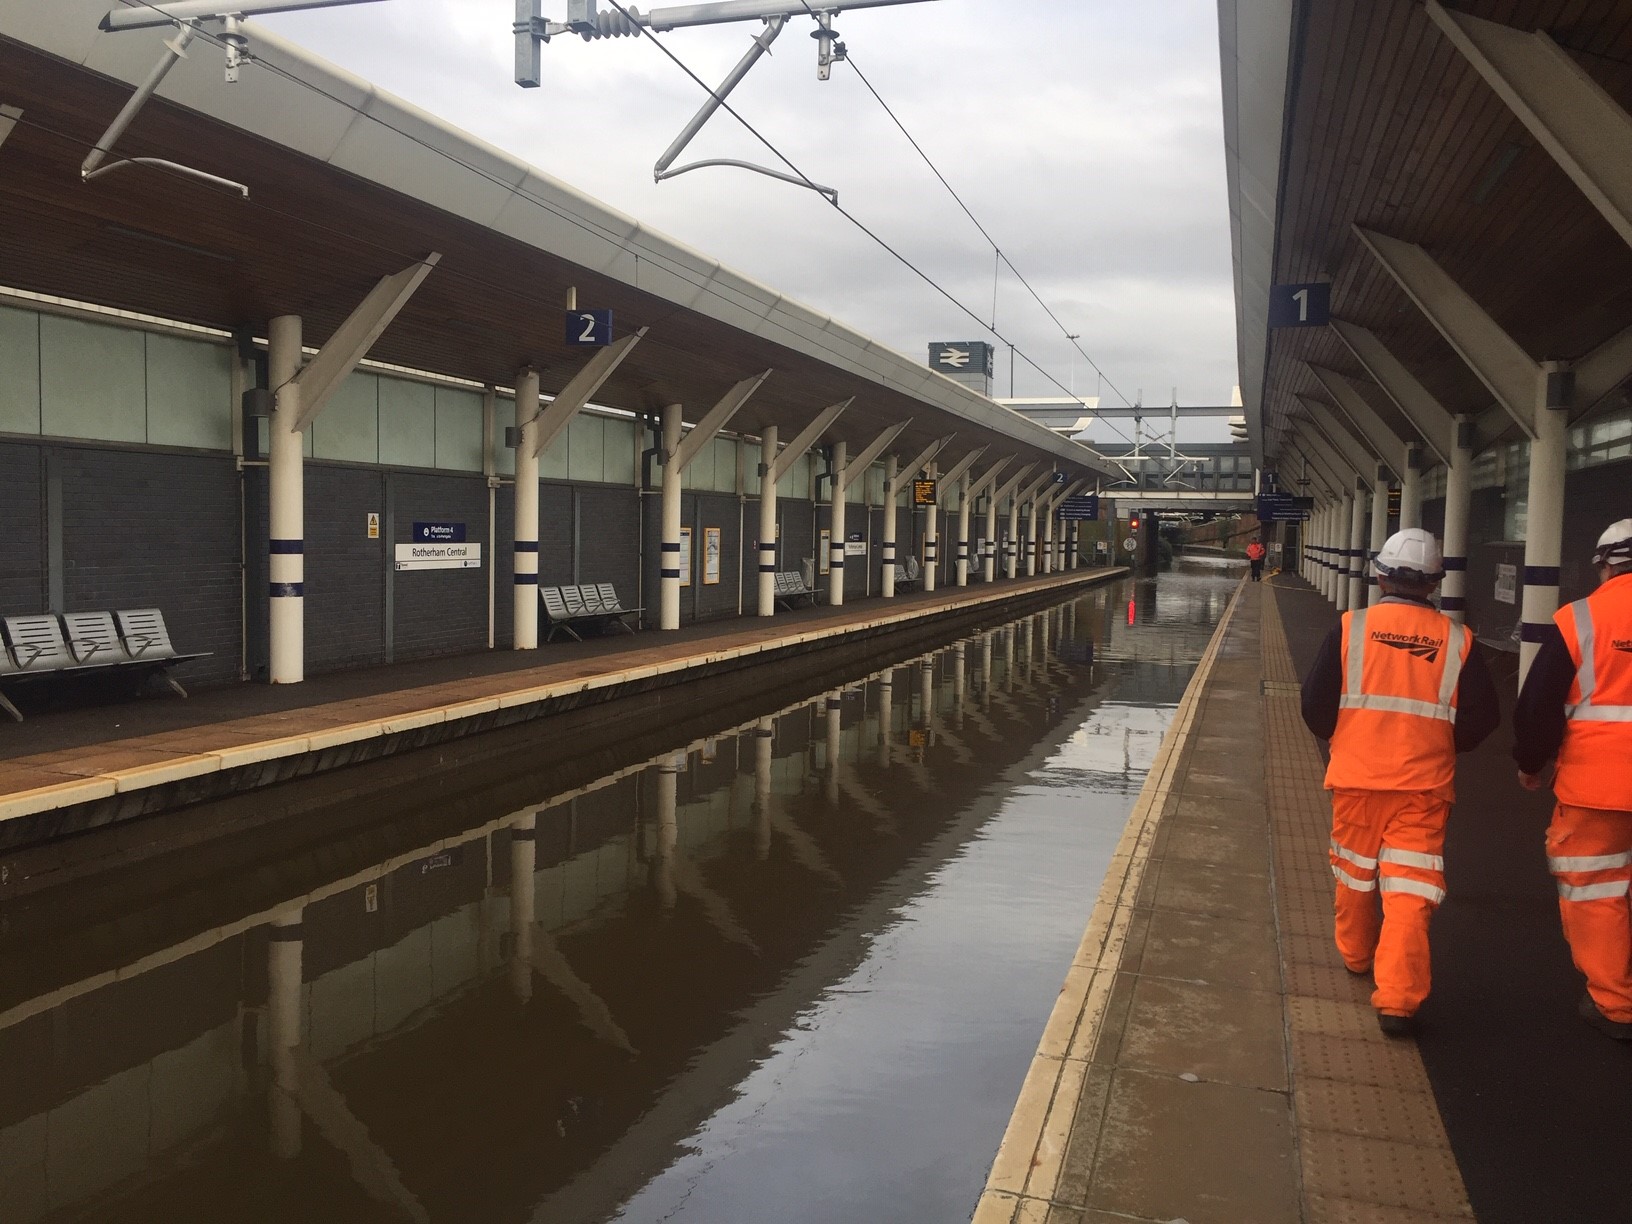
1576	704
1255	558
1399	689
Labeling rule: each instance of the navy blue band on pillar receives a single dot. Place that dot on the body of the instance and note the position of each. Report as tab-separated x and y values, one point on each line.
526	546
288	547
671	547
836	563
526	579
1455	565
1529	632
1541	575
523	834
288	590
767	569
1452	603
670	573
833	703
294	932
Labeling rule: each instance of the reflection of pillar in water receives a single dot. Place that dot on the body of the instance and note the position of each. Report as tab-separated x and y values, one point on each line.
1026	646
668	827
764	739
926	697
523	903
285	1002
960	688
1010	637
986	669
886	716
835	728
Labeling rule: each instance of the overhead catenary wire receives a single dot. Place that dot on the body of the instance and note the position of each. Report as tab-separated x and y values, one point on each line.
637	249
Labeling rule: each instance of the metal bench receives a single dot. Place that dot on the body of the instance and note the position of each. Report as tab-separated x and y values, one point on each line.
790	587
76	644
593	605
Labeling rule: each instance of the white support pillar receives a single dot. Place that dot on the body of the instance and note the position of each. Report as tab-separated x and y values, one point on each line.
1033	533
1357	546
932	538
1544	529
835	540
1411	489
892	467
1340	553
285	1004
1050	550
286	618
988	564
526	512
523	904
767	522
1011	549
669	574
1379	531
1072	551
963	533
886	716
834	753
1458	507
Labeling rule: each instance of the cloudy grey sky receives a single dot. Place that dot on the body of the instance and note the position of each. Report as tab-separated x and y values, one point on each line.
1086	136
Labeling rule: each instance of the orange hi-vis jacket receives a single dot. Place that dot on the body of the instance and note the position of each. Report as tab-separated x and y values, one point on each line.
1396	718
1595	759
1255	551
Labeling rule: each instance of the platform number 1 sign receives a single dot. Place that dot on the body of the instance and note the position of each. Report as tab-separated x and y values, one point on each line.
589	328
1300	305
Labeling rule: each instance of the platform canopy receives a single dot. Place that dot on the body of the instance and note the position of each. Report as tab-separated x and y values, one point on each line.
348	184
1362	134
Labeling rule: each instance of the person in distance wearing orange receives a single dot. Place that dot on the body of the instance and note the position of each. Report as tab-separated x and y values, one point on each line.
1576	704
1399	689
1255	557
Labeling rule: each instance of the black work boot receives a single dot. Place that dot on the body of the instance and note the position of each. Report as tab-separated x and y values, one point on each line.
1400	1026
1620	1030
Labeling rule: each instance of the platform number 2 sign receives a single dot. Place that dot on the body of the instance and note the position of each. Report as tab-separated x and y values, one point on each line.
589	328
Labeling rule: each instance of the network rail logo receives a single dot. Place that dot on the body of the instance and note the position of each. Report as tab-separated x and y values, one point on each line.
1417	645
1624	645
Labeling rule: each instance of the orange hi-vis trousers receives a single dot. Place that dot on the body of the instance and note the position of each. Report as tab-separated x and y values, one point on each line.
1388	843
1589	852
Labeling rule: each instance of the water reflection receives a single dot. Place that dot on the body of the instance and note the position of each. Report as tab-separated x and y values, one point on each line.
794	969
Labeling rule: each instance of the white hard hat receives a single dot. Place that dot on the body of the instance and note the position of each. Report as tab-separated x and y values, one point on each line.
1615	545
1412	553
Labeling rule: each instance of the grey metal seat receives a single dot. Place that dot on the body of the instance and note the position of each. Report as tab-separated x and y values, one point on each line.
93	638
559	615
38	646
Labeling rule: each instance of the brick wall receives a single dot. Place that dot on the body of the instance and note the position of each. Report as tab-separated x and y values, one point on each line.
147	529
345	570
609	538
722	511
439	612
22	543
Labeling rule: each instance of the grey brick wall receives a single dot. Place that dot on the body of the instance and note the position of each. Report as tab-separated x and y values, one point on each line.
796	520
609	538
147	529
22	542
721	510
555	531
345	570
439	612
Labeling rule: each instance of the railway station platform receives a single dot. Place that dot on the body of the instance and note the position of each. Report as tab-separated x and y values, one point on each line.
99	764
1209	1058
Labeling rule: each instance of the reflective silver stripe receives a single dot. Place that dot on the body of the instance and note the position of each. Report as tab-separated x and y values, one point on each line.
1586	673
1599	713
1357	655
1588	862
1397	705
1453	667
1592	892
1359	860
1433	892
1345	878
1411	858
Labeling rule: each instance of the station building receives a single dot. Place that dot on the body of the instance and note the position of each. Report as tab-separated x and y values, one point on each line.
270	336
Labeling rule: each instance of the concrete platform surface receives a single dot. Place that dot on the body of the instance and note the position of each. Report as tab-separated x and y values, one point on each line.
1209	1059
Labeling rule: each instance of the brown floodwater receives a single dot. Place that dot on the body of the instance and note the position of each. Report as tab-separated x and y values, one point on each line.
792	970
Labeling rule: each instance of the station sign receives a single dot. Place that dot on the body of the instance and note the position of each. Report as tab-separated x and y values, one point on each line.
439	556
1084	508
923	492
589	328
961	357
1306	305
1394	503
438	533
1268	482
1284	508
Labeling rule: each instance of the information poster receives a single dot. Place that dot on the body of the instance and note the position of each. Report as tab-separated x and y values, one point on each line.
824	543
685	556
711	556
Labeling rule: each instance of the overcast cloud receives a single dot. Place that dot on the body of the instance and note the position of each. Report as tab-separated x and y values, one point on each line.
1085	134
